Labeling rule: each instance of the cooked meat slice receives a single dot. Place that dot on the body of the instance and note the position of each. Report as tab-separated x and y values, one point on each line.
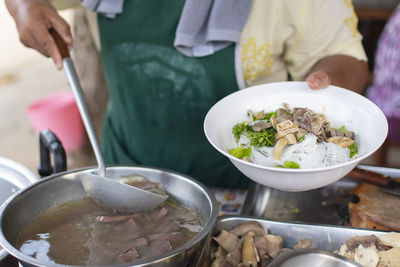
366	241
283	115
261	126
341	141
366	256
140	242
273	122
227	240
219	252
270	245
160	213
262	245
158	247
286	106
303	243
301	133
256	115
298	113
390	257
246	227
349	134
344	251
275	243
221	262
174	236
235	256
265	260
129	255
312	122
250	257
112	219
391	239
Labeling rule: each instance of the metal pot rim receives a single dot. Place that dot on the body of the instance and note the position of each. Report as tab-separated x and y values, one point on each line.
208	225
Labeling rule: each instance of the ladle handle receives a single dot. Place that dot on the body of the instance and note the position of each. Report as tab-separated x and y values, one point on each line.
73	79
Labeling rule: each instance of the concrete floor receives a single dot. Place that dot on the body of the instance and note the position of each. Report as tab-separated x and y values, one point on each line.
26	76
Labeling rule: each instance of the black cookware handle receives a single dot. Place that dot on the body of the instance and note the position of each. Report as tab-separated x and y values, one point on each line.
50	145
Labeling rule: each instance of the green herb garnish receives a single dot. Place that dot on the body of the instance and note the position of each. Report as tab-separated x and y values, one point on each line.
291	165
264	137
343	129
353	150
269	115
240	152
239	128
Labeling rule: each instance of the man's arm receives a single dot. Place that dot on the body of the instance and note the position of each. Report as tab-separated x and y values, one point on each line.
339	70
33	19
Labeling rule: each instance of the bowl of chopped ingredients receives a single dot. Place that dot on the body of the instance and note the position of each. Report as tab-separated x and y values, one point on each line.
286	136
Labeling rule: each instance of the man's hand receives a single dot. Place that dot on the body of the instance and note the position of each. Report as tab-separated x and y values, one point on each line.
33	19
318	80
339	70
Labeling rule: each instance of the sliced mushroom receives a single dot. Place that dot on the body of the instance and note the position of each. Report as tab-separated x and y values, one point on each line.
291	139
278	148
341	141
250	257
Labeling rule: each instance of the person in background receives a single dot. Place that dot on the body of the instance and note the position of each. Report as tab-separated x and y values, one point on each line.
385	89
167	62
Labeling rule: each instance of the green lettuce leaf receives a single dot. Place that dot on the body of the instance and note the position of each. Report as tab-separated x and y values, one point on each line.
291	165
240	152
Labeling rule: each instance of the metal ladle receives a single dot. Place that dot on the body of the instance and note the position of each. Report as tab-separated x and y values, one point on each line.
108	192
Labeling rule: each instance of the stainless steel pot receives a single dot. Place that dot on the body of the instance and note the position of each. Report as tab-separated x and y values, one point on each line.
60	188
13	177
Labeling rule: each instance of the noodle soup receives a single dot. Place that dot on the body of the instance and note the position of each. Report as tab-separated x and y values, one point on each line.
292	138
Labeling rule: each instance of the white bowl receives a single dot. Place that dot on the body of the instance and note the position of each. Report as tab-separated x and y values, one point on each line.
340	106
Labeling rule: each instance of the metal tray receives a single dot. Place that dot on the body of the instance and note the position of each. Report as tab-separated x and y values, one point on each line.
323	237
326	205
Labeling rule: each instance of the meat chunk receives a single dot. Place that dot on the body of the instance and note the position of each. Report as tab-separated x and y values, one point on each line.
227	240
366	241
129	255
246	227
303	243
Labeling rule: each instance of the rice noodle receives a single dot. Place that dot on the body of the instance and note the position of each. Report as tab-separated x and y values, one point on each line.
308	154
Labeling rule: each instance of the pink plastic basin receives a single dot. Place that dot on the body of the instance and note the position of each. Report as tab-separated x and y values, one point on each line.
58	113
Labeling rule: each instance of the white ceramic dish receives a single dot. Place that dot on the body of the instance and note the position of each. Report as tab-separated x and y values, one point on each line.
340	106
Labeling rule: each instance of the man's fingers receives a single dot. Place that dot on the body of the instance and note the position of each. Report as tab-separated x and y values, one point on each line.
318	80
62	28
48	45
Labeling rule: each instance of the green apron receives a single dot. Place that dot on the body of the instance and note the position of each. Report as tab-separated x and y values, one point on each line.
159	97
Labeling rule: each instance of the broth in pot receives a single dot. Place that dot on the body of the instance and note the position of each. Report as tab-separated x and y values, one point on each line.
81	232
